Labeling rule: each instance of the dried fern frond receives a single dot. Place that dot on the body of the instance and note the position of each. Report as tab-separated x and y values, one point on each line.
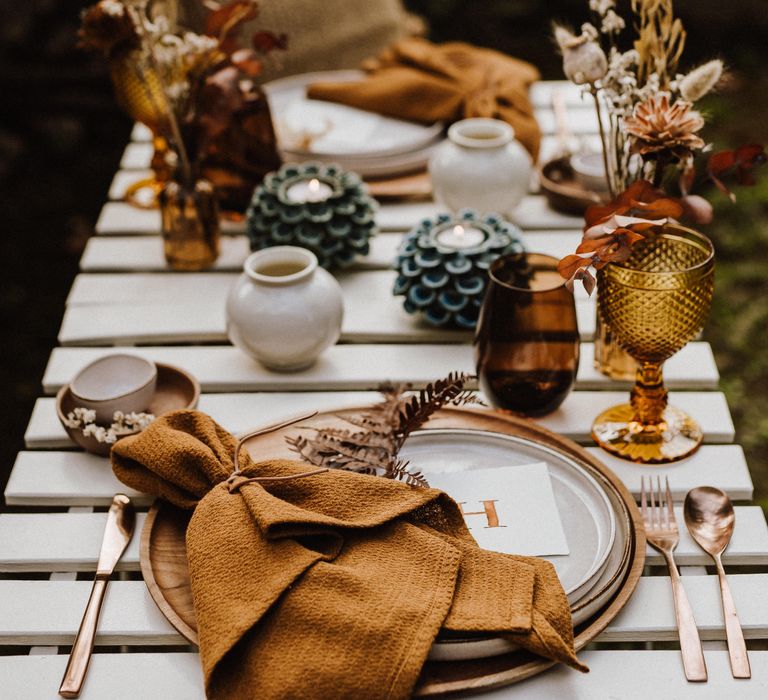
334	459
380	432
399	470
418	409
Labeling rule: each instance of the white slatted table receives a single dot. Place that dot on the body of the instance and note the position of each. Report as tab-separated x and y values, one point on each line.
124	296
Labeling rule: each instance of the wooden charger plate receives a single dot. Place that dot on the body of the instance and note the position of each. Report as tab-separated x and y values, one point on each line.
164	561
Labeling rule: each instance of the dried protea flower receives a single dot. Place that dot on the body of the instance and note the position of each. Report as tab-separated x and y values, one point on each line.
701	80
657	126
584	61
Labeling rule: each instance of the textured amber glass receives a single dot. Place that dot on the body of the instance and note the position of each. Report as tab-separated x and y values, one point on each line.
610	358
655	303
190	224
527	340
139	93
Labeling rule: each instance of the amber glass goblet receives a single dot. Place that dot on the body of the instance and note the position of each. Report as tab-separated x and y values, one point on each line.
140	94
527	339
655	302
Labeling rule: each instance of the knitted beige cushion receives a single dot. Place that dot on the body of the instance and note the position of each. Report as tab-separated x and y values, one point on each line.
323	34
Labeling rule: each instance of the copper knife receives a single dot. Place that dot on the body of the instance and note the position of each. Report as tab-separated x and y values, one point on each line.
117	534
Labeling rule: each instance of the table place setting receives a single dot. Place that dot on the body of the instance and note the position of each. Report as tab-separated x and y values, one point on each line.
317	514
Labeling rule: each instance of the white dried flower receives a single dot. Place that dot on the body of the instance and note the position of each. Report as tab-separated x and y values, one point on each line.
612	23
701	80
113	8
123	424
601	6
200	43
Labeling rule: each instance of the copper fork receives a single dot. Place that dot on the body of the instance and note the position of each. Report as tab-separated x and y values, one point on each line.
662	533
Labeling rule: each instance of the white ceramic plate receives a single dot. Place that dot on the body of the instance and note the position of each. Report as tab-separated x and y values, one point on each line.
608	583
336	130
585	511
374	166
594	517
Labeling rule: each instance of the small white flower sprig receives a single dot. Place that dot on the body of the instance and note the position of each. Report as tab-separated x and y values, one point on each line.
123	424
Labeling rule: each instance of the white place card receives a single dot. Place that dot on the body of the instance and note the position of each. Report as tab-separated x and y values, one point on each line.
507	509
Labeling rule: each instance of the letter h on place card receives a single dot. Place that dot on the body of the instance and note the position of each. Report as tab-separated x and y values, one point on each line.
489	511
521	515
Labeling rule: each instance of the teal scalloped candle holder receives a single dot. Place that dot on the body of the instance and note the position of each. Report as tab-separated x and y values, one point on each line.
316	206
443	265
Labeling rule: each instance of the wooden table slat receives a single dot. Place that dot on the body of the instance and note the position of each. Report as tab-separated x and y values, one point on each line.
71	478
71	542
145	253
358	367
244	411
629	675
120	218
49	612
160	308
74	478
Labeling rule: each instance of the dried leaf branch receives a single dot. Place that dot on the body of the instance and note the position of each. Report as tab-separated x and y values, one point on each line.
380	433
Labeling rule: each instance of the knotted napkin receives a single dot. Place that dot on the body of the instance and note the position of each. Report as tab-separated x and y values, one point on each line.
334	585
420	81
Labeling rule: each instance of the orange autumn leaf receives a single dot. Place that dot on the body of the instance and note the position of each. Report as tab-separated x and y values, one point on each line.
570	264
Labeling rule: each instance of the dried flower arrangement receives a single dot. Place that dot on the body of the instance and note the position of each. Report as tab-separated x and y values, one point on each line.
196	91
372	446
652	137
123	424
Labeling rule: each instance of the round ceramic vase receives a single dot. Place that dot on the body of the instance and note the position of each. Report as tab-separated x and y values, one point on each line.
284	310
481	166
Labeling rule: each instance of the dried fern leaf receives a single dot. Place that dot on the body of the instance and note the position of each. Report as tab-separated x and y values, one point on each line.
380	432
400	470
418	409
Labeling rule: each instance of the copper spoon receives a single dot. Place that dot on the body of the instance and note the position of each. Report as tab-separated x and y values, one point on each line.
710	518
117	534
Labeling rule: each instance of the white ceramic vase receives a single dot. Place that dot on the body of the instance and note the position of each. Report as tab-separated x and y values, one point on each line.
481	166
284	310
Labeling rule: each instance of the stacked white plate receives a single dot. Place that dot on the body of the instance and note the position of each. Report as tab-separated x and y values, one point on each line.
595	519
370	144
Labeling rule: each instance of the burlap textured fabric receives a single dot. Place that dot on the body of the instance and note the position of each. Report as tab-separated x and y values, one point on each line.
334	585
322	34
420	81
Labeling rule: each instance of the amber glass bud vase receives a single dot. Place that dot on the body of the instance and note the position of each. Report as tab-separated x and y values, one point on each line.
527	339
190	223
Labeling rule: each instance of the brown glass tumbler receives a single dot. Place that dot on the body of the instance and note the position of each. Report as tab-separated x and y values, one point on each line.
527	338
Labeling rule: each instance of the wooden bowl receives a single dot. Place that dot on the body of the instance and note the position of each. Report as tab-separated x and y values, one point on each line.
175	389
563	192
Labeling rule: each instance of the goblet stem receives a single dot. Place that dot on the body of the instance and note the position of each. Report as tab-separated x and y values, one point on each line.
649	397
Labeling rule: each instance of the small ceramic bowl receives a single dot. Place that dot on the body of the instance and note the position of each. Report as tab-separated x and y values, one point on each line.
175	389
589	171
115	383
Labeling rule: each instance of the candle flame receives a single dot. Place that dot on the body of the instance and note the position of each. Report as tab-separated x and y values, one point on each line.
458	231
314	185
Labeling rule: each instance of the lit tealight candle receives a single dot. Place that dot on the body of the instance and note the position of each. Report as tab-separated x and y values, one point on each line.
313	190
460	236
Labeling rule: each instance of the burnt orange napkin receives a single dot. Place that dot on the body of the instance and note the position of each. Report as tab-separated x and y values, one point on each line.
333	585
420	81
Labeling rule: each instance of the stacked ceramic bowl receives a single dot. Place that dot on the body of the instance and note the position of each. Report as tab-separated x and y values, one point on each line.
370	144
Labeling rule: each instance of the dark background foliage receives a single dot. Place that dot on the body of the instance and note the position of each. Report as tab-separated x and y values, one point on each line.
61	137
